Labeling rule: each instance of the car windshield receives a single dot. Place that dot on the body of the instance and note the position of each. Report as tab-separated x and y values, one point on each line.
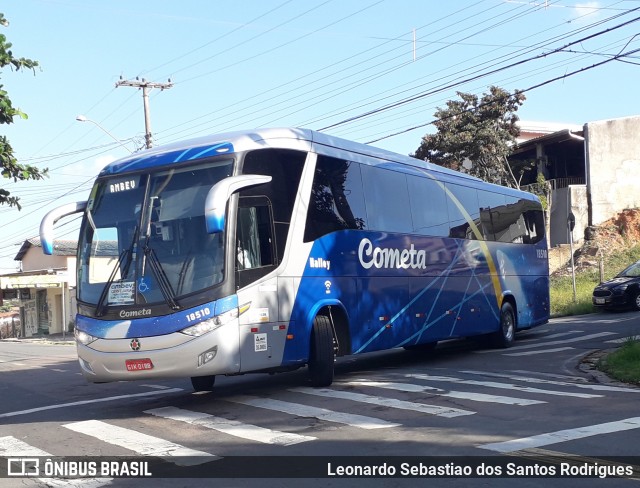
144	238
631	271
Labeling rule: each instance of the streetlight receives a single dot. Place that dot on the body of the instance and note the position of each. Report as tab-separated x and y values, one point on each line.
82	118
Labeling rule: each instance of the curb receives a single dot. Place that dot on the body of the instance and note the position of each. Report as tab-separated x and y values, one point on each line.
42	340
588	364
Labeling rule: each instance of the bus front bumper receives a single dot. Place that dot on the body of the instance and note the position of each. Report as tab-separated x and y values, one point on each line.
173	355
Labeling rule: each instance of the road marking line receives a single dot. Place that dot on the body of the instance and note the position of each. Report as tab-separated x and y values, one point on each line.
532	353
550	343
231	427
11	447
87	402
504	386
143	444
463	395
550	336
563	436
622	340
354	420
527	379
385	402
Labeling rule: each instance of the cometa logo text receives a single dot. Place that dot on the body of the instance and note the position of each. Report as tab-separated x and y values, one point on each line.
380	257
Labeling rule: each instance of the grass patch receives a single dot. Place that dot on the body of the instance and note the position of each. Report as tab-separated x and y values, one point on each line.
624	363
561	294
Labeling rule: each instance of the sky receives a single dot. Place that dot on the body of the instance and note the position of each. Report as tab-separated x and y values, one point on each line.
372	71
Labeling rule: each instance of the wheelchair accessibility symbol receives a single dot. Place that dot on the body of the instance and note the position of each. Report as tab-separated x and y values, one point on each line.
142	286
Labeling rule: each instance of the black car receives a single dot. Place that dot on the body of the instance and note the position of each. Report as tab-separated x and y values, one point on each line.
623	291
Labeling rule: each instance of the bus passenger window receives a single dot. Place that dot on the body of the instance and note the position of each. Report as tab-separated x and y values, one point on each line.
337	201
464	212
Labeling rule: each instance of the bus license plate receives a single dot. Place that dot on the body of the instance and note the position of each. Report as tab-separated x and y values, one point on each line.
138	364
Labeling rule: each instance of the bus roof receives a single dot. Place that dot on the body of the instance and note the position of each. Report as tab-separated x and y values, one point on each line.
285	138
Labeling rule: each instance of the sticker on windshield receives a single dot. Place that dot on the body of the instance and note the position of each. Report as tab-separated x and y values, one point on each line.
122	293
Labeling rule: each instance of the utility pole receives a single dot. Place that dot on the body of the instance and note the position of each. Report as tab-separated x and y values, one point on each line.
146	87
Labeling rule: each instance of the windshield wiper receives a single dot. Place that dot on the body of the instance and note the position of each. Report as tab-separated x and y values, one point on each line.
161	277
101	306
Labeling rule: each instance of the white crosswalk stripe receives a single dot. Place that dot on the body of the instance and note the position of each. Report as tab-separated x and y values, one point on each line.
231	427
562	436
506	386
534	353
143	444
354	420
584	386
385	402
12	447
543	345
462	395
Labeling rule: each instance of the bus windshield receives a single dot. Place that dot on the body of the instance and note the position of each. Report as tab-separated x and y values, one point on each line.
144	239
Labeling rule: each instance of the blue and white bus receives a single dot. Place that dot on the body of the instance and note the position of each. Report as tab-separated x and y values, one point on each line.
275	249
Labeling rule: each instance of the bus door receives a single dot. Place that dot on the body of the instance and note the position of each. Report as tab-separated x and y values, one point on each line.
255	257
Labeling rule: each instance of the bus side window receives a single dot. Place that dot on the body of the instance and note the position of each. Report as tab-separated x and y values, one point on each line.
386	196
337	200
493	210
428	203
460	219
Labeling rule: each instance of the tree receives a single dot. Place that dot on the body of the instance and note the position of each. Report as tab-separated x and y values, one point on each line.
480	131
9	166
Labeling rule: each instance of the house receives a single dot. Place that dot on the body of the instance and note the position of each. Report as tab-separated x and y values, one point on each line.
44	289
594	172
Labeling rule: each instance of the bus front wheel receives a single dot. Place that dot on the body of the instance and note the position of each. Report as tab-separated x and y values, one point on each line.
203	383
505	334
321	354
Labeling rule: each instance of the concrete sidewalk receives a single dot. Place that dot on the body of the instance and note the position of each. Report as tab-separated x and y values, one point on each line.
67	338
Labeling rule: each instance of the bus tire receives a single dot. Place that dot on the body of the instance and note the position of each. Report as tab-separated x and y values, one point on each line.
321	353
505	335
203	383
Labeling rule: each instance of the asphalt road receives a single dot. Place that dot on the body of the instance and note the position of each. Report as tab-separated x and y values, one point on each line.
537	403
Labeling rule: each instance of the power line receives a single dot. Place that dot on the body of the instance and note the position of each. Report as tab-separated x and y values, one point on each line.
480	75
533	87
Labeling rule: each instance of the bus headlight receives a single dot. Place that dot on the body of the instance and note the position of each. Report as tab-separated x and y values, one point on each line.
211	324
84	338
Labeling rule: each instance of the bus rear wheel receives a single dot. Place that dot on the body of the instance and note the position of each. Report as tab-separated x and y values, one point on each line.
321	354
203	383
505	335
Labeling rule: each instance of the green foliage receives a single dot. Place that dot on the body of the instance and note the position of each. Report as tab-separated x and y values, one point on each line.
10	168
561	292
542	189
480	130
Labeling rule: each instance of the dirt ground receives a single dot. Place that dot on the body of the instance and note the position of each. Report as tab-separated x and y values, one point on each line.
619	232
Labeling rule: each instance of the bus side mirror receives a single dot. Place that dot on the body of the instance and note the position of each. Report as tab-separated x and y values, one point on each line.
46	226
216	201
